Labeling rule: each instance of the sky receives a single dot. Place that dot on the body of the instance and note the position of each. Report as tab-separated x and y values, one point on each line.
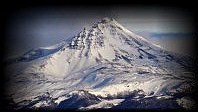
35	27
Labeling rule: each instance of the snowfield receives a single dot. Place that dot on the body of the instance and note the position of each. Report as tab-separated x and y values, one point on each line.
104	67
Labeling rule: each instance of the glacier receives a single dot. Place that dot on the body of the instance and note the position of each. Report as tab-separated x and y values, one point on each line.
105	67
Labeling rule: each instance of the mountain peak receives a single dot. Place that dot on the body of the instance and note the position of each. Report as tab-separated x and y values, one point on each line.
96	36
106	20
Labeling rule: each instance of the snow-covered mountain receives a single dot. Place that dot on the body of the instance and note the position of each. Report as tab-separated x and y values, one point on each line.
104	67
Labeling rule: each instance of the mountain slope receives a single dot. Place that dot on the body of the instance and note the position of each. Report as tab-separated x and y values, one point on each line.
106	60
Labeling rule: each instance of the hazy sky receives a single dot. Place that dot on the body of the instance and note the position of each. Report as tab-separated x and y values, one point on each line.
43	26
